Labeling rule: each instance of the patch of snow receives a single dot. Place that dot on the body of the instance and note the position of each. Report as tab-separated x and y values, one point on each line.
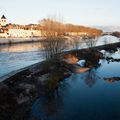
106	40
81	62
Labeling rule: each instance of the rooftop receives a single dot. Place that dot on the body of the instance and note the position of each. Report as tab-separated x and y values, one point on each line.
3	17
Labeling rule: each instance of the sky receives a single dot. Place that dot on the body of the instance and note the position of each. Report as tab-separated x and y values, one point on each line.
82	12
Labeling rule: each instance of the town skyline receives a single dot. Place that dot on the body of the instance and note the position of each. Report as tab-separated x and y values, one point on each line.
82	12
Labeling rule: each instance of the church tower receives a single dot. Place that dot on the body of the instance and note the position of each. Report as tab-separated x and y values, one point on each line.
3	21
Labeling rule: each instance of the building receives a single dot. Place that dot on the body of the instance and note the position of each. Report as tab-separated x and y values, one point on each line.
22	33
8	30
3	21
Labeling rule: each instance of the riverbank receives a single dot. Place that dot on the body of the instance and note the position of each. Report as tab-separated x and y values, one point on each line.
20	88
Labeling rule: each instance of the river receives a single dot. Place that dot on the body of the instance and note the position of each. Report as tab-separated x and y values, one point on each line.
16	56
85	96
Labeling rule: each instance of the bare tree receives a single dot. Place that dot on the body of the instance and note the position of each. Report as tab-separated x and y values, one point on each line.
90	41
54	42
76	42
52	27
53	46
105	41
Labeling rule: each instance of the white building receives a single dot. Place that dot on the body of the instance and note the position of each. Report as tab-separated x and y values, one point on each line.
21	33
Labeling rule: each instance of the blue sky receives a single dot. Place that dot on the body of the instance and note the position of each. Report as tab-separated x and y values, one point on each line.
83	12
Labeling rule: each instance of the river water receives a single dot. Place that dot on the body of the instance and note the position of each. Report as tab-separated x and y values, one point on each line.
84	96
14	57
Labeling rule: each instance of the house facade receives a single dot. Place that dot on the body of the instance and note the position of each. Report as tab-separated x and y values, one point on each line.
8	30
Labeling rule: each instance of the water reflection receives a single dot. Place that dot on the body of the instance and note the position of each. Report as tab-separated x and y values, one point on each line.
85	96
17	56
52	103
24	47
112	79
49	104
91	77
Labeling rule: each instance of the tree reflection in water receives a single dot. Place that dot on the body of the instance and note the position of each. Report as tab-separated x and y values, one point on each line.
50	103
53	101
91	77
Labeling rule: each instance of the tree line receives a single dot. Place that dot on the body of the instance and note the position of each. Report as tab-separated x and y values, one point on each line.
57	27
